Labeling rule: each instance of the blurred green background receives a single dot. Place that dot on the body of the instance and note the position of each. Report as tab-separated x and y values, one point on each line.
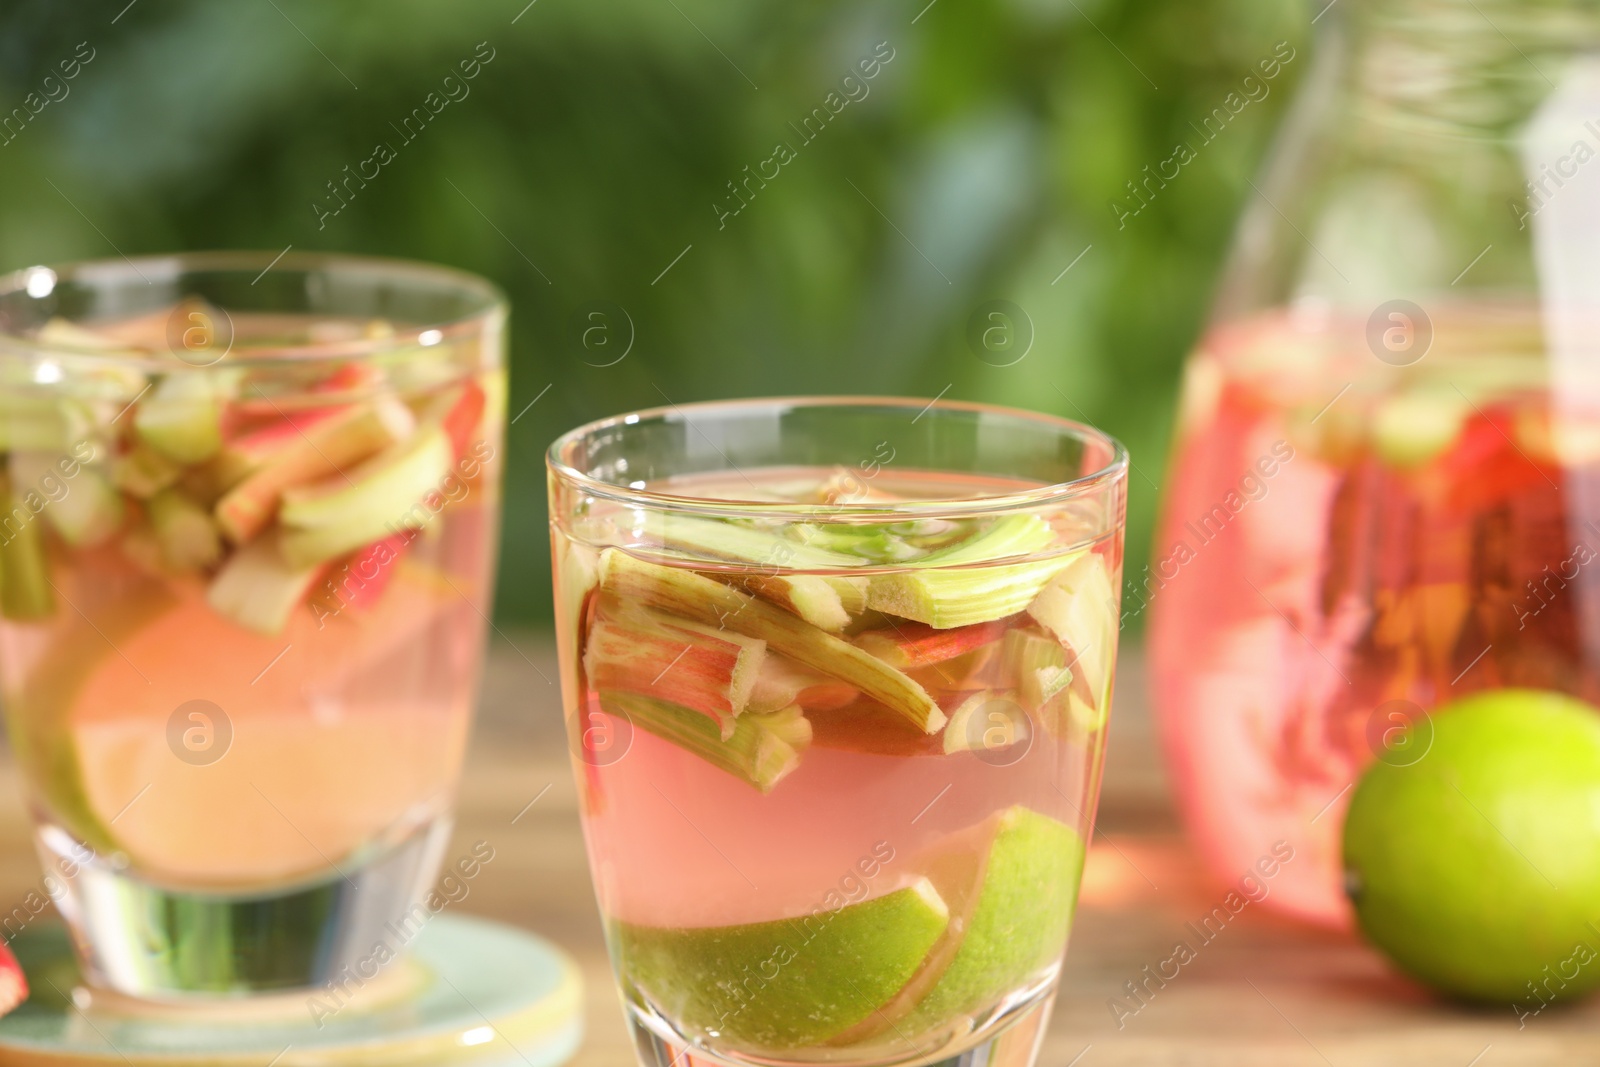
593	151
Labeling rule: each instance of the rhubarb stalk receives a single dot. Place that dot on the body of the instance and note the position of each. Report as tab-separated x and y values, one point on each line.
828	601
636	650
959	585
694	596
762	749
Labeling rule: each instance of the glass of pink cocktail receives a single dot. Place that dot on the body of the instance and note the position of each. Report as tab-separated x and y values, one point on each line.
246	545
837	675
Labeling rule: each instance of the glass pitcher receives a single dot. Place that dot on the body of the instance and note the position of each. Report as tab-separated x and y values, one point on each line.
1387	465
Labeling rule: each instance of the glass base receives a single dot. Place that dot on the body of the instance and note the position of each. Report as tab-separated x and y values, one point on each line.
157	942
1009	1037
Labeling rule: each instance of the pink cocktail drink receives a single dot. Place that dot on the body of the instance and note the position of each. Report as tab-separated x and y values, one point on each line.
838	732
245	551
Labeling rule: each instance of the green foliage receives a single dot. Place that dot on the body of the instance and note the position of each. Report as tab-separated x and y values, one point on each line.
598	144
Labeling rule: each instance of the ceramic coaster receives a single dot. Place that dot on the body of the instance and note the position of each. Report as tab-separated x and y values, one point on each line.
470	992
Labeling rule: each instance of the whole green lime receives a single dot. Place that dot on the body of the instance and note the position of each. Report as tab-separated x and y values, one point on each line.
1476	867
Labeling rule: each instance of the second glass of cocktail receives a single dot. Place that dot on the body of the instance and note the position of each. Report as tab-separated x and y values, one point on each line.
247	522
837	675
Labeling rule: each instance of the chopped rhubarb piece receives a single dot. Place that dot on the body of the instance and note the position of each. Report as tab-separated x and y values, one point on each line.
185	530
986	722
39	424
13	983
303	450
378	498
780	682
693	596
25	590
1038	665
143	472
762	749
636	650
909	645
87	512
181	417
458	410
257	588
1080	608
823	600
361	579
826	601
949	588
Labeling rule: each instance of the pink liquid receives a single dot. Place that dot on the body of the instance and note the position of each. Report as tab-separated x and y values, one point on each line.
677	842
1330	569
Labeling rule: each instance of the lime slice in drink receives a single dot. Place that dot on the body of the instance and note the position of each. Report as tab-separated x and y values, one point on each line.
1012	886
213	755
1474	867
789	983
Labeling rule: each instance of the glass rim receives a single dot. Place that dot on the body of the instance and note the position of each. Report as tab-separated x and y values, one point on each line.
1114	470
168	266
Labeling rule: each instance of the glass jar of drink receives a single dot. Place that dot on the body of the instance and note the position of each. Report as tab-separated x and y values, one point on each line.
1389	438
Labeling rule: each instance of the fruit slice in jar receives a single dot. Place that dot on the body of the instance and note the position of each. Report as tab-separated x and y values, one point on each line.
820	975
378	497
316	766
299	450
951	587
1011	885
1410	429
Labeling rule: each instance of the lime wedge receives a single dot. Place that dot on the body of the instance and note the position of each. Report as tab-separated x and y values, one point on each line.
1011	886
790	983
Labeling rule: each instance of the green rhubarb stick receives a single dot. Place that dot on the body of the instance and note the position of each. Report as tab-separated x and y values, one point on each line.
143	472
696	597
953	587
637	650
25	590
762	749
1038	666
258	589
826	601
324	449
186	532
1079	606
182	417
873	543
378	497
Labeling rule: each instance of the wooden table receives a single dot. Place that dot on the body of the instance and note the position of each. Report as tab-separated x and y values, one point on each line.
1265	992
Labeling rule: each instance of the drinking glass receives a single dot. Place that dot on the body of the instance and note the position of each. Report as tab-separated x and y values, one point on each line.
1389	436
246	546
836	676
